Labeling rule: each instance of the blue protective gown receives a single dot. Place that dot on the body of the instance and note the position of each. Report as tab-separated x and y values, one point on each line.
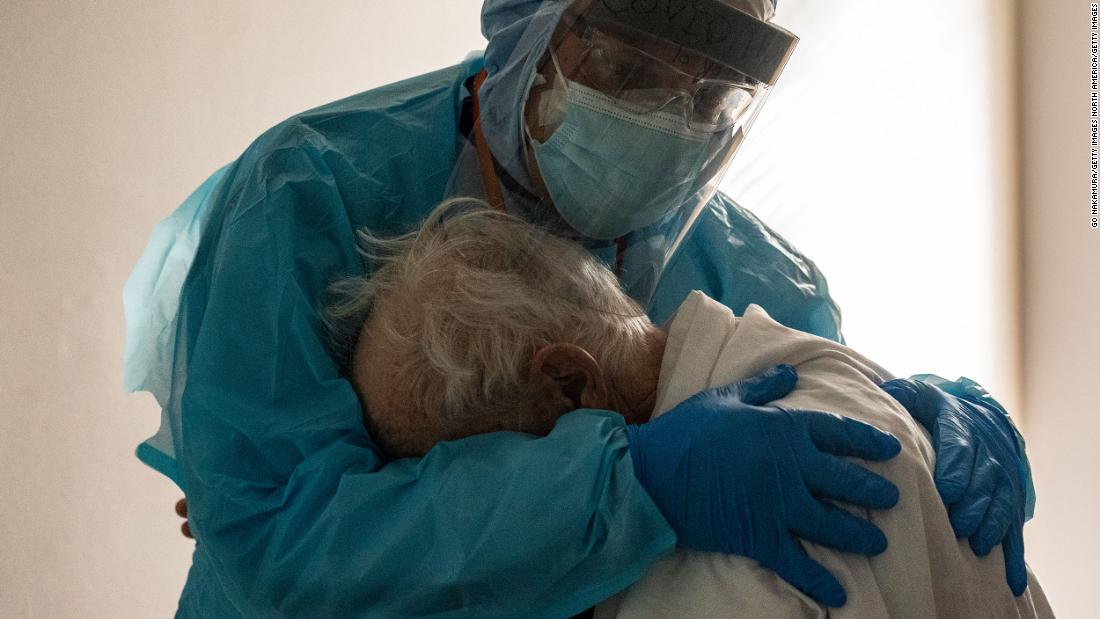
293	508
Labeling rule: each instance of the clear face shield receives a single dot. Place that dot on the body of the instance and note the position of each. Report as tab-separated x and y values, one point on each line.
632	116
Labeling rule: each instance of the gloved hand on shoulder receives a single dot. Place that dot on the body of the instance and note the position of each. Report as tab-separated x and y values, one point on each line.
981	471
732	474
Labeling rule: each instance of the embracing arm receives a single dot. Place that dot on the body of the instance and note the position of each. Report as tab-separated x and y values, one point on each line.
763	514
492	524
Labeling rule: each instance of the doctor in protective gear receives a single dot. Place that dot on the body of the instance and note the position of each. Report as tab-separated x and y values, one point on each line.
609	122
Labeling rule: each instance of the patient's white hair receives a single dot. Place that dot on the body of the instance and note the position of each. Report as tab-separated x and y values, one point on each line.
465	302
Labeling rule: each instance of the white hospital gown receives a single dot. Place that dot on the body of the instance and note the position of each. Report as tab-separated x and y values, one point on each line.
925	571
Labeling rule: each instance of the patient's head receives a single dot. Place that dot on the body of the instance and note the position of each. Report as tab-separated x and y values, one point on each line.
480	322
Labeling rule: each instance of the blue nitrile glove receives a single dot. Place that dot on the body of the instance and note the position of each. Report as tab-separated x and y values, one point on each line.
979	472
733	475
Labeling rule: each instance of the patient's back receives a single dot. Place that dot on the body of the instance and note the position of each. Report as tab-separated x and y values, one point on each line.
925	571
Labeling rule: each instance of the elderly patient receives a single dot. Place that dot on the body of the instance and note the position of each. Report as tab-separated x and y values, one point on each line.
479	322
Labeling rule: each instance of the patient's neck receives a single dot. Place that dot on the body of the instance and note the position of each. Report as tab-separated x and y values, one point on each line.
636	388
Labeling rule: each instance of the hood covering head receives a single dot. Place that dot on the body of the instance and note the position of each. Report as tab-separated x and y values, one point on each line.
518	32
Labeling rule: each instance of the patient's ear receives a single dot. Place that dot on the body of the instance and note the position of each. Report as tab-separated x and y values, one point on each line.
565	377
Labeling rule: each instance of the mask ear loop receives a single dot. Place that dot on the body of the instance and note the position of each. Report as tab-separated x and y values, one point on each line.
485	156
558	85
542	115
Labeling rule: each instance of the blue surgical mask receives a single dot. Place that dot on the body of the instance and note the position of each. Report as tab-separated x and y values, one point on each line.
610	171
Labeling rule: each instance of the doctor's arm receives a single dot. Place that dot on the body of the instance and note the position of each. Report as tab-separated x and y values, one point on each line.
493	524
516	524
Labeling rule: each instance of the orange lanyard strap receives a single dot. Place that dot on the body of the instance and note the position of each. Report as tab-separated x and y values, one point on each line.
484	155
489	176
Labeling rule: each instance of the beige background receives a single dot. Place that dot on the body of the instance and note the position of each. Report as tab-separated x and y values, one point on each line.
112	112
1060	303
886	154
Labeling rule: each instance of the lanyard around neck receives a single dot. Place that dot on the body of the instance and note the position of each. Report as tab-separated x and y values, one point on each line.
484	155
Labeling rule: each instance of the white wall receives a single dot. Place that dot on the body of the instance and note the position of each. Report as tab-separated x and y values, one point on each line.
886	154
110	114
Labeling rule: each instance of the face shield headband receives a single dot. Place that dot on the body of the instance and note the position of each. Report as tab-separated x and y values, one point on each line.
711	28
